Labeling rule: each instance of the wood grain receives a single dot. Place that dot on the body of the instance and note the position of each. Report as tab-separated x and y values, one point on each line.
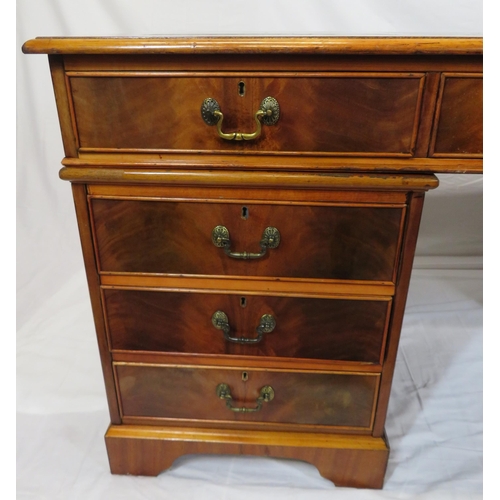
332	114
158	112
459	117
404	275
349	243
82	214
355	461
244	362
365	122
251	285
374	113
351	330
427	113
264	45
297	164
250	62
186	393
64	112
232	178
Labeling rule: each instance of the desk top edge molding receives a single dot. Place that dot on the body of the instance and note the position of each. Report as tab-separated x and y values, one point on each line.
256	45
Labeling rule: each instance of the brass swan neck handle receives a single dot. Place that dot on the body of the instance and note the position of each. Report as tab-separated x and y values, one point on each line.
224	392
267	114
266	324
270	239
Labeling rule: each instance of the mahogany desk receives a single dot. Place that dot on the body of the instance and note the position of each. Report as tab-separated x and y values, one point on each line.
248	211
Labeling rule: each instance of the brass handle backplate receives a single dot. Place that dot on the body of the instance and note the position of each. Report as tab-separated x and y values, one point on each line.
267	324
270	239
267	114
266	395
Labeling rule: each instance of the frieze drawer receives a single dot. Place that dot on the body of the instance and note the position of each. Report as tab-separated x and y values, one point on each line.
331	113
458	127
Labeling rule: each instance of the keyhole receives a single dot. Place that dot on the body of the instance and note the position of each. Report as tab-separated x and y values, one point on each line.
243	302
244	376
241	88
244	213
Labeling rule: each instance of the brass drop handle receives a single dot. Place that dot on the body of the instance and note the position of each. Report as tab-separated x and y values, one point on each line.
270	239
268	113
266	395
267	324
240	136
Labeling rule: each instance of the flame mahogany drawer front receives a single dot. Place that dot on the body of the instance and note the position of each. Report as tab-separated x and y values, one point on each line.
366	113
249	210
294	327
459	117
191	393
333	242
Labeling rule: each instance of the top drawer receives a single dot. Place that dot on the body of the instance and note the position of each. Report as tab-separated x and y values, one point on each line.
319	113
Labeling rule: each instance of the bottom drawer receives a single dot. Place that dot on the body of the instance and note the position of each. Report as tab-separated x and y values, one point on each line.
236	395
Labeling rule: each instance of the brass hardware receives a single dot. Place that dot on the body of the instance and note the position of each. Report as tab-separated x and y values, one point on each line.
244	376
271	110
267	324
208	109
240	136
268	113
266	395
270	239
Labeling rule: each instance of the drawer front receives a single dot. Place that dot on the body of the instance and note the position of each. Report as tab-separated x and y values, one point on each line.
330	399
459	121
346	115
327	113
335	242
180	322
159	113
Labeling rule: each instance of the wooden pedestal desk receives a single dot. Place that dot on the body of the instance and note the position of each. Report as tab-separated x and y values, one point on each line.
248	210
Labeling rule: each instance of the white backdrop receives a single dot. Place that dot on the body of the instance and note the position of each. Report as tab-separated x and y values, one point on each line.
61	404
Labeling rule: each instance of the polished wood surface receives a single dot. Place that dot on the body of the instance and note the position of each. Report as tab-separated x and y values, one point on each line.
416	204
245	45
250	63
94	166
244	362
352	243
235	179
185	393
355	461
351	330
459	116
339	113
365	122
351	113
89	260
261	285
63	105
157	112
339	96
